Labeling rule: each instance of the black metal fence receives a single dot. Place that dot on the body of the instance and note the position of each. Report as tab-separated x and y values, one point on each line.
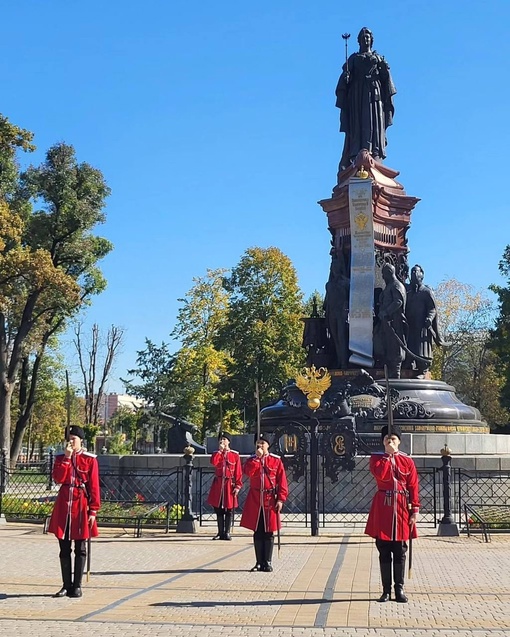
156	497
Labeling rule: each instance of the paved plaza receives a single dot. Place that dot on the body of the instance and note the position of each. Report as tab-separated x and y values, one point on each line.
191	586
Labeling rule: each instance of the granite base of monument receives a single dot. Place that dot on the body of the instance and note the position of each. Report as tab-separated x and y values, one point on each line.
428	413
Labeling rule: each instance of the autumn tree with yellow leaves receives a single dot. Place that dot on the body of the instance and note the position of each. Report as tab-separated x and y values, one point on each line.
48	259
466	317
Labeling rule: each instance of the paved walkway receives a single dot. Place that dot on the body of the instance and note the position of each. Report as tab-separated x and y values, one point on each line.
186	585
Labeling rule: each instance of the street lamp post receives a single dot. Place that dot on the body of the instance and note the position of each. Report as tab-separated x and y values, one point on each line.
447	526
187	523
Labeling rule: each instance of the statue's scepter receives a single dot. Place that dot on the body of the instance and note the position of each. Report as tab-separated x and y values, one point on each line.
346	36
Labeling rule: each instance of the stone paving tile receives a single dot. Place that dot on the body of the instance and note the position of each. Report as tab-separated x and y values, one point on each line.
188	585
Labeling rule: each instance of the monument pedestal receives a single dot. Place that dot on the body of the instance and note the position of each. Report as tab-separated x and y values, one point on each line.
391	208
428	413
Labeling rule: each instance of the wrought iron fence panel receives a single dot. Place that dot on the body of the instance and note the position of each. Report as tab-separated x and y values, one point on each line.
30	493
26	493
136	499
347	501
430	496
294	512
201	487
158	485
482	488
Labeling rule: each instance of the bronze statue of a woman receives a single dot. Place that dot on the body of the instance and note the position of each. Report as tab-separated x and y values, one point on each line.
364	95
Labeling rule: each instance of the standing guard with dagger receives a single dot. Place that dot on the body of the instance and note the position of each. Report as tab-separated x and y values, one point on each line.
74	513
227	483
264	502
394	510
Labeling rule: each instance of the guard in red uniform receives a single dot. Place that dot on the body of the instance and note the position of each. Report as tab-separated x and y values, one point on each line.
227	482
268	491
394	511
74	514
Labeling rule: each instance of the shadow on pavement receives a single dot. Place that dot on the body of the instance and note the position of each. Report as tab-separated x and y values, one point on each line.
5	596
261	602
166	571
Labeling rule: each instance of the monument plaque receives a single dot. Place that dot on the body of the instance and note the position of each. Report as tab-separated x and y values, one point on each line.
361	298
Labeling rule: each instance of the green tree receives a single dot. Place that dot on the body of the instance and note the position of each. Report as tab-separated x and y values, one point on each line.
119	445
263	331
48	415
200	365
500	335
314	303
124	421
151	381
48	258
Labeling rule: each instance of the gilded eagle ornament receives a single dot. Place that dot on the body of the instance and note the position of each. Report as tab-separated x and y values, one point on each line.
313	383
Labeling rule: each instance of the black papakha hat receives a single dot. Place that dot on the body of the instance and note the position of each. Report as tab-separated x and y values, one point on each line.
263	437
225	434
74	430
395	431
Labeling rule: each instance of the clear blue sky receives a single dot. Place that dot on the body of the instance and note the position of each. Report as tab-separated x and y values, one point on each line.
214	124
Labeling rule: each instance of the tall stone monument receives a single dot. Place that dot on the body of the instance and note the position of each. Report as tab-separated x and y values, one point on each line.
374	320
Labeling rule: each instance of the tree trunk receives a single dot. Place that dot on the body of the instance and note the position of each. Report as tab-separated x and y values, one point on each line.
6	390
27	401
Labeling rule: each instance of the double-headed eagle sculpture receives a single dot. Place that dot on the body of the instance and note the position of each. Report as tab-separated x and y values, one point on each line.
313	383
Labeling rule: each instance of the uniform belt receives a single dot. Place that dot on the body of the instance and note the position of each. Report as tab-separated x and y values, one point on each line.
392	491
76	486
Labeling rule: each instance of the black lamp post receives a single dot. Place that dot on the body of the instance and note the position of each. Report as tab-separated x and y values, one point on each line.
447	526
187	523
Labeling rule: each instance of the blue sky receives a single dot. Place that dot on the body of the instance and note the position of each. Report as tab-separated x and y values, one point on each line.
215	127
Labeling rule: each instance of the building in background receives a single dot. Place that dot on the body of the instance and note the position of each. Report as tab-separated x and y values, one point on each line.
111	402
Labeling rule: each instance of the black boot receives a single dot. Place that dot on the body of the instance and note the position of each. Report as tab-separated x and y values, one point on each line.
80	559
399	570
386	581
267	565
227	526
259	554
67	582
220	520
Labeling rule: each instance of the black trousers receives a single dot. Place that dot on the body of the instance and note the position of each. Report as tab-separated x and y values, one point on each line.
261	533
391	551
80	548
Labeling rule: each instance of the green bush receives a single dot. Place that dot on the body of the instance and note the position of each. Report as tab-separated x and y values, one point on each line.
118	445
110	512
21	507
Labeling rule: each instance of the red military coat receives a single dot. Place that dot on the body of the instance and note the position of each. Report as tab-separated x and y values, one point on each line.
228	476
397	488
268	483
77	476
